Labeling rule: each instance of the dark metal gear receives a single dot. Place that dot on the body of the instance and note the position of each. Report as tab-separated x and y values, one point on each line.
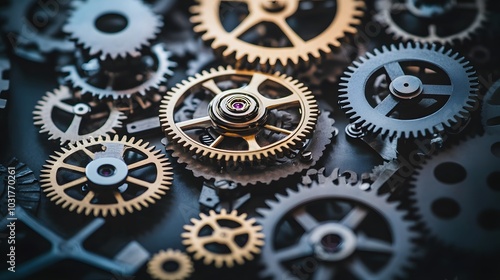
491	109
335	231
18	181
150	73
34	28
444	22
457	195
430	90
113	28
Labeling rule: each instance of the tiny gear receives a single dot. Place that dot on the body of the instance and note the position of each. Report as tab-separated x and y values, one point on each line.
233	237
430	90
113	28
457	192
240	106
491	109
425	21
285	16
106	176
182	269
87	119
151	73
335	230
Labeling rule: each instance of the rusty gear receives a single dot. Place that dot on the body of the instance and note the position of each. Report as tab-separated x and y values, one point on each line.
100	176
224	235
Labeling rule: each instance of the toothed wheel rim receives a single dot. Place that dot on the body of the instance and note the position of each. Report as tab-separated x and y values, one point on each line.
183	133
64	178
137	26
156	265
456	194
207	21
388	9
83	114
459	92
225	230
342	229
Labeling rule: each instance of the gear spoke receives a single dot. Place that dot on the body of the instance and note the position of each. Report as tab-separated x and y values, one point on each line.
354	217
387	105
138	182
441	90
72	167
296	251
88	197
306	221
139	164
74	183
365	243
358	269
239	231
212	87
217	141
203	122
324	271
90	154
278	129
206	239
394	70
252	143
74	127
63	106
294	38
282	103
249	22
257	80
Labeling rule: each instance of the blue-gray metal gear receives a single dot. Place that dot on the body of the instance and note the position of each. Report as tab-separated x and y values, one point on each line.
416	103
457	195
335	230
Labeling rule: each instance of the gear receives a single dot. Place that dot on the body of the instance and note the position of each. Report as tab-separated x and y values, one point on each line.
183	265
429	90
266	173
93	79
284	15
88	119
113	28
237	119
102	176
456	193
235	238
431	21
491	109
335	231
36	23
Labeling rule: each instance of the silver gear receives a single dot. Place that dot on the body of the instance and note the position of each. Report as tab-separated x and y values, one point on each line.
430	17
457	195
267	173
82	114
154	78
407	68
491	109
328	243
137	26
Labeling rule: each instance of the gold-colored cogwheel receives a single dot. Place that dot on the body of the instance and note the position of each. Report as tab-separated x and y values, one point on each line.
239	115
183	270
235	238
106	176
206	17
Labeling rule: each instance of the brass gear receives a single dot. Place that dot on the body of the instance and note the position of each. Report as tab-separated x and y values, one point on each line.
223	235
84	114
247	122
99	176
206	17
184	263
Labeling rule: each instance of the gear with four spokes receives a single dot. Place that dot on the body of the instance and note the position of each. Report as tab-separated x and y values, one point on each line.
182	268
456	195
444	21
430	90
106	176
113	28
150	72
335	231
210	16
240	105
233	238
87	119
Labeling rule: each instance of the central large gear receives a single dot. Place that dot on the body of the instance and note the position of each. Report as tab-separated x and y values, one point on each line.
335	230
241	105
429	91
106	176
209	16
113	28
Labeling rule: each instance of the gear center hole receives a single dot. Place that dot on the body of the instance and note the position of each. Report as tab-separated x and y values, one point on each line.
111	23
171	266
332	243
106	170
